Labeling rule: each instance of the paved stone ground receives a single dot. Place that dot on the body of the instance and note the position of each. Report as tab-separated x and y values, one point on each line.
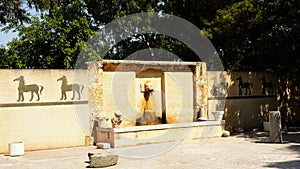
250	150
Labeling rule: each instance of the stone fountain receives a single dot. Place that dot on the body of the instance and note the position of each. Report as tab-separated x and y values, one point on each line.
148	114
149	102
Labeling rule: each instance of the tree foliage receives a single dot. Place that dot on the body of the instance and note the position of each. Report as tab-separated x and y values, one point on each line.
248	34
11	12
233	31
53	41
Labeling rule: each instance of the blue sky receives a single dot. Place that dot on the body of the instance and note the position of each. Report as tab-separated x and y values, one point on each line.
6	37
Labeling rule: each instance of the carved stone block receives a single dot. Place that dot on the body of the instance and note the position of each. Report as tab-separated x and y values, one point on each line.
102	160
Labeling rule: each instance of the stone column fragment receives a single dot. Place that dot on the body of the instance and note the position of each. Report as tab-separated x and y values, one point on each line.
201	87
275	127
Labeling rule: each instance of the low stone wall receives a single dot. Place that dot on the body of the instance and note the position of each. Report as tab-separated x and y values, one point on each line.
45	123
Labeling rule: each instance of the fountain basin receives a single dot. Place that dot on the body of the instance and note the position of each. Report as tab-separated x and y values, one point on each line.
137	135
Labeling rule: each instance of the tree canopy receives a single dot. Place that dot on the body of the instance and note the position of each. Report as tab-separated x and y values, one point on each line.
248	34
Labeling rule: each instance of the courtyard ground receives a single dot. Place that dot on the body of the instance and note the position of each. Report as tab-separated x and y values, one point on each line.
245	150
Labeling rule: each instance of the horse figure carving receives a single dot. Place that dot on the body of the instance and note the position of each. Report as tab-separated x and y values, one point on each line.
267	85
244	85
69	87
33	88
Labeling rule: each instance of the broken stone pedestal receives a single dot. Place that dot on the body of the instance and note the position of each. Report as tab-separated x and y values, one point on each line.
275	127
98	160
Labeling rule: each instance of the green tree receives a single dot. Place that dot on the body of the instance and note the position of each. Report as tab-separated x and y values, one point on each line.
233	31
257	35
105	11
11	12
195	12
10	60
280	47
248	34
280	35
53	41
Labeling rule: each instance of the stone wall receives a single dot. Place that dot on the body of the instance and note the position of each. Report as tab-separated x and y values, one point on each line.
247	99
242	95
122	92
45	123
179	91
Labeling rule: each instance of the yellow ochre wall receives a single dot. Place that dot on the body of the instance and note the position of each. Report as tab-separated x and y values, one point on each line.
47	123
242	110
54	123
121	91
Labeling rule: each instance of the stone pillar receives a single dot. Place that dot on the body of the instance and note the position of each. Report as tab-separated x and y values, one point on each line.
201	93
275	127
95	93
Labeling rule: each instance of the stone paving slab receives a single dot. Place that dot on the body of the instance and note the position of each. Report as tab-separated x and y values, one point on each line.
238	151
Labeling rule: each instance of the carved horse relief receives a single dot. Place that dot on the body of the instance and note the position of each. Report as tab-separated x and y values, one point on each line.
33	88
267	87
65	87
244	85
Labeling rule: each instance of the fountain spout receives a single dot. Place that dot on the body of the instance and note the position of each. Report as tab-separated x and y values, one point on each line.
149	117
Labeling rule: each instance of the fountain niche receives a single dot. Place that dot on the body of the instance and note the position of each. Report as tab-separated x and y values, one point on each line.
149	98
149	102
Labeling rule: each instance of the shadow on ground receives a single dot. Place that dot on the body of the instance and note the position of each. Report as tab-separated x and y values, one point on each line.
285	165
291	135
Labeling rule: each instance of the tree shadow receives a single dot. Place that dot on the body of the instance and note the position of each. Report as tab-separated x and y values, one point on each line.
269	92
254	136
287	164
291	135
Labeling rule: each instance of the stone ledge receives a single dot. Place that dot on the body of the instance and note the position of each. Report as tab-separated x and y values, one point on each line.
132	65
136	135
167	126
148	62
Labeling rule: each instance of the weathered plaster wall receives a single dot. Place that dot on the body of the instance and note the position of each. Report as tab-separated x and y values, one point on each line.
53	123
179	97
119	94
241	109
121	91
45	78
47	123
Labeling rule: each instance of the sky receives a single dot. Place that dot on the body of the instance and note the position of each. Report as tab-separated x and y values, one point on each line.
6	37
